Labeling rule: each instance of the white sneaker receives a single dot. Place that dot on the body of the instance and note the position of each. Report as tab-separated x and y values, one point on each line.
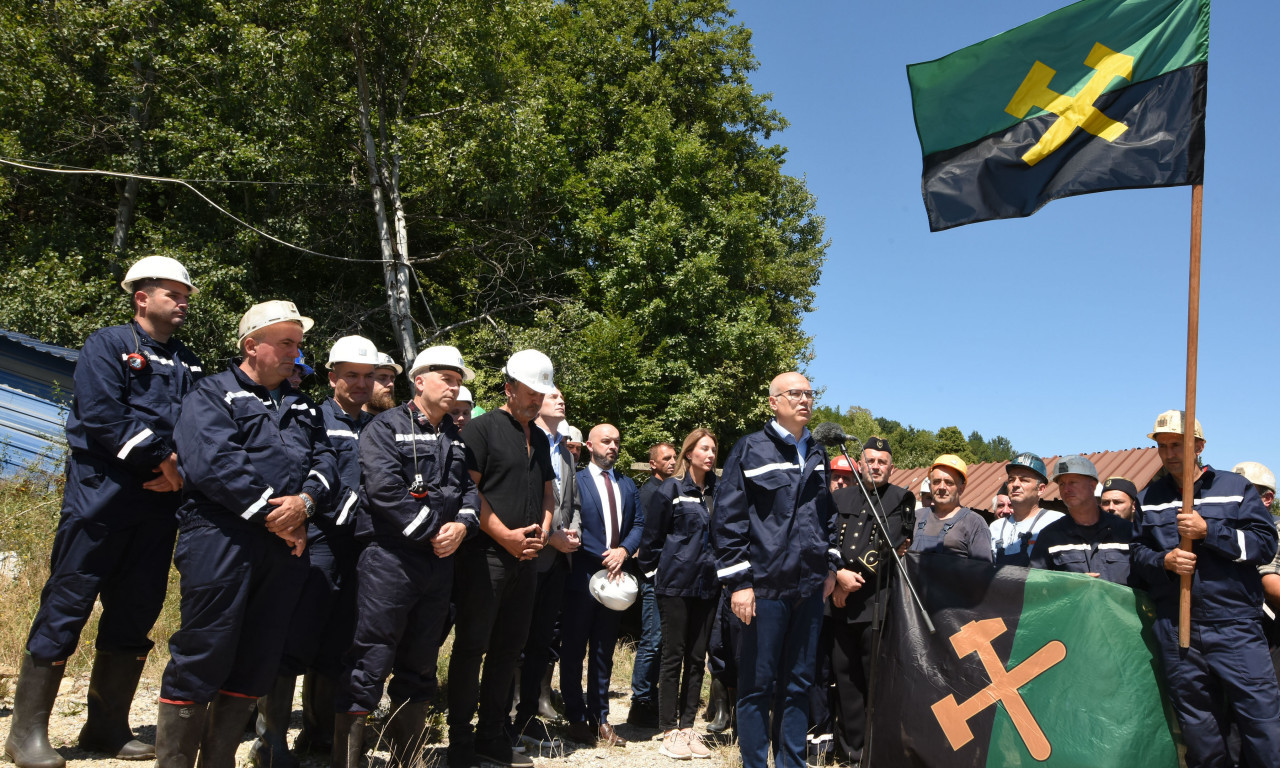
674	745
693	742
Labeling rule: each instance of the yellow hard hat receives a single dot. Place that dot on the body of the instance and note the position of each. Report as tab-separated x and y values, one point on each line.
952	461
1170	423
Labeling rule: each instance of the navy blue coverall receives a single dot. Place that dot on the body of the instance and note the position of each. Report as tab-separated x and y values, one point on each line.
1102	548
324	617
1228	662
772	531
402	595
115	538
237	449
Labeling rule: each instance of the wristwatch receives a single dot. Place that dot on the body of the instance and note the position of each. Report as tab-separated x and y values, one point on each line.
309	504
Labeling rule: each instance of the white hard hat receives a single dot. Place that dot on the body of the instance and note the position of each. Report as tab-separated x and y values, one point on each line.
159	268
1170	423
269	313
387	361
353	349
442	356
1257	474
532	369
614	595
464	396
924	486
563	428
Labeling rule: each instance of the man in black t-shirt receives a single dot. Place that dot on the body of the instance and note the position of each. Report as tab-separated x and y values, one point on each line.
495	580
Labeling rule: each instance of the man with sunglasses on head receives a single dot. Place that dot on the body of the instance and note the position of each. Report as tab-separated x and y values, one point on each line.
777	558
419	504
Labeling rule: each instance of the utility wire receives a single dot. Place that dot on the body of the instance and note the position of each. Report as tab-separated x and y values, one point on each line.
26	164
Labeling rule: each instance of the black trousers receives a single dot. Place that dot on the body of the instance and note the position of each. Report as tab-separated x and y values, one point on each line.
537	649
851	662
726	639
686	629
494	595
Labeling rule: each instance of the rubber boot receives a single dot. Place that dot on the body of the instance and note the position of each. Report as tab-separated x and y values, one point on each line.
317	715
546	710
348	739
224	730
28	743
271	748
179	729
720	705
111	687
406	726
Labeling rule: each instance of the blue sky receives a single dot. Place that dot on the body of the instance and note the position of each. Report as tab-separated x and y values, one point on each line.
1065	331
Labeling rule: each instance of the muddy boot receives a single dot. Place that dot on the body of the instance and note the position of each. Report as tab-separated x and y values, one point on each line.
179	729
317	715
405	729
720	706
28	743
224	730
271	748
348	739
111	687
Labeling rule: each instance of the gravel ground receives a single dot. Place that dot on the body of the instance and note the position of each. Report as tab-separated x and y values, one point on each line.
68	717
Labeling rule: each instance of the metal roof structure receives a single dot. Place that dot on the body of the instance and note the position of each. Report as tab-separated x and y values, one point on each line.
36	384
1137	464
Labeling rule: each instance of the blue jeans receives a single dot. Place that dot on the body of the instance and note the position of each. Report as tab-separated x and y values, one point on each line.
777	661
644	675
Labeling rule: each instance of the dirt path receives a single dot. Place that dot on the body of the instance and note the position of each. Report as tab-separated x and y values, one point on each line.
68	717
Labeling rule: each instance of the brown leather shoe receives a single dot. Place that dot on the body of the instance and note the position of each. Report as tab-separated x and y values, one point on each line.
581	733
610	737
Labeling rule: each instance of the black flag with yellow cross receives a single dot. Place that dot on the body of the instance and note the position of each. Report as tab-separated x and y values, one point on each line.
1097	96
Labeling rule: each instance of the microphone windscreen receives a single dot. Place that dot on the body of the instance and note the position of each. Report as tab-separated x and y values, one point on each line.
828	433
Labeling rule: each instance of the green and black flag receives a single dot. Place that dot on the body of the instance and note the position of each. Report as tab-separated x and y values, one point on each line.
1100	95
1027	668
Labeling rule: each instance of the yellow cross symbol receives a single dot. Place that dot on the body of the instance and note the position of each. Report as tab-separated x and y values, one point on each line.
976	637
1073	111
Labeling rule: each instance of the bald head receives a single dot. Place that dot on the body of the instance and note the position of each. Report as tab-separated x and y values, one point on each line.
784	381
791	399
604	442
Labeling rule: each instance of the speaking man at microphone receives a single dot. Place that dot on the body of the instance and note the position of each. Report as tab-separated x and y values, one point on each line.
776	557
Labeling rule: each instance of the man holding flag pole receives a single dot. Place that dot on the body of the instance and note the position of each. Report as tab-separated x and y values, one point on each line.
1104	95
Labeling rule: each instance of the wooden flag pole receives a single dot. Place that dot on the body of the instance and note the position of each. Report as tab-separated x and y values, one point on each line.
1189	414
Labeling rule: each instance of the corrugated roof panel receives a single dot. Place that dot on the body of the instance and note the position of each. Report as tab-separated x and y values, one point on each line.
1136	464
71	355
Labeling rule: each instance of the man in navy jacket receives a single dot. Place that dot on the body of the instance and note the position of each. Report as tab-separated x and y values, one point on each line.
1228	663
612	525
256	464
115	535
777	558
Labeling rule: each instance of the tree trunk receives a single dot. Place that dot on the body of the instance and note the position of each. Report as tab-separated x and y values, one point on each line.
394	267
129	195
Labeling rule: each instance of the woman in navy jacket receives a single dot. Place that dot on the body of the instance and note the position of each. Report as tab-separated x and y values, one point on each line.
676	552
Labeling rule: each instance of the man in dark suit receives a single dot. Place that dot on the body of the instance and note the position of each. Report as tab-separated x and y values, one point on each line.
612	523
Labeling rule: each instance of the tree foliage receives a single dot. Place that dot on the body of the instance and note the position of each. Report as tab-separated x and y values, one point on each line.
594	178
914	447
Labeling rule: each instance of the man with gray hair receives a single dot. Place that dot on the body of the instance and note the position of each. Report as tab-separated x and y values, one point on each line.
1088	540
257	465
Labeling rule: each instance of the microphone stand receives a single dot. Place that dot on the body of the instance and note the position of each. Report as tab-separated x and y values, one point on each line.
877	623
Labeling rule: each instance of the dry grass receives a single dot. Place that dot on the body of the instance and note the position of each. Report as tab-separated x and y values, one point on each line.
30	504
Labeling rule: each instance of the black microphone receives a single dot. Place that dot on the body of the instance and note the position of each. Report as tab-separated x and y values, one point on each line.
830	433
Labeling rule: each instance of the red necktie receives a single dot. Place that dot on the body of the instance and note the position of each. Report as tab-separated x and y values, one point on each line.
613	511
